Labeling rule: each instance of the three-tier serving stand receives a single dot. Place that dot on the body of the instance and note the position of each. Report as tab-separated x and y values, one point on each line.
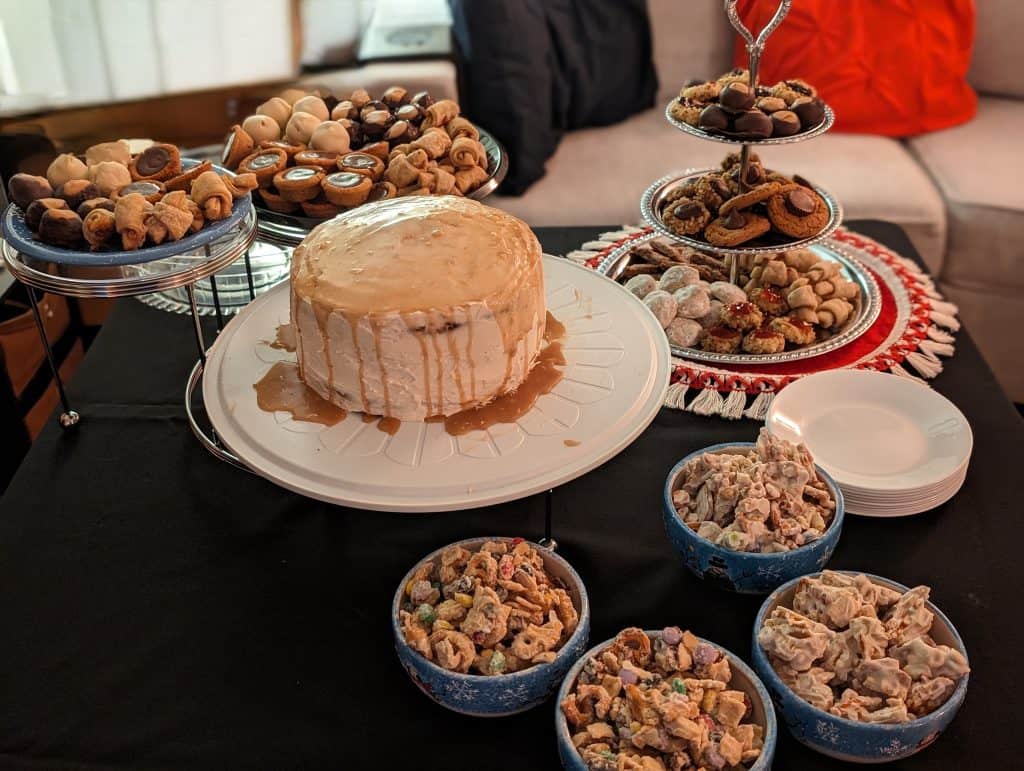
654	196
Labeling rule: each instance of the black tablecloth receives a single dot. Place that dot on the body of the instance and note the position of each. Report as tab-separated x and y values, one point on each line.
160	609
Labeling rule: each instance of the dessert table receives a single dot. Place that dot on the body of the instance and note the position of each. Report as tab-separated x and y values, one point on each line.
161	609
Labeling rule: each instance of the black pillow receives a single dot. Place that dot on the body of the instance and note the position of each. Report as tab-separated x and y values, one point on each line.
532	69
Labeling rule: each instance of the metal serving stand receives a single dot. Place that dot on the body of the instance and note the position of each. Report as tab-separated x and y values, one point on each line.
108	282
649	203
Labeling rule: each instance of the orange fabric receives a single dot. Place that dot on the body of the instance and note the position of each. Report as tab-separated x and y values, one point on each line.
891	67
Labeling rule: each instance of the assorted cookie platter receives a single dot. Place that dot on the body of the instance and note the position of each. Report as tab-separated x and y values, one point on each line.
821	317
315	155
773	213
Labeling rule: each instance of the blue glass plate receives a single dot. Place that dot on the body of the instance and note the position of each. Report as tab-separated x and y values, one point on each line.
21	238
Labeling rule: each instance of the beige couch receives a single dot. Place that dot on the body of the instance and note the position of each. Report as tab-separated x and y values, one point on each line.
959	193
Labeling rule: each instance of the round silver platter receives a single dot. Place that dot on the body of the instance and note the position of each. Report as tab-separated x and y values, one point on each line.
289	230
650	207
686	128
865	312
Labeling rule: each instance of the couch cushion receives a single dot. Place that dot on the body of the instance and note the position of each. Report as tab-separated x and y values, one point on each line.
434	75
996	66
691	40
979	168
597	176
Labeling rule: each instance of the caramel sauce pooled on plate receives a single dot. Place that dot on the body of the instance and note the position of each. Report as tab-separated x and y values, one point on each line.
282	389
544	376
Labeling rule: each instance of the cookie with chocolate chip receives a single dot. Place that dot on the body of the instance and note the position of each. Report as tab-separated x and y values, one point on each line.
798	212
686	111
790	90
712	190
735	228
704	93
686	217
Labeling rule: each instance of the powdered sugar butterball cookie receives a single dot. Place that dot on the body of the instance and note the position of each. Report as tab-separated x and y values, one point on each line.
714	315
642	285
692	302
677	277
662	305
727	293
683	332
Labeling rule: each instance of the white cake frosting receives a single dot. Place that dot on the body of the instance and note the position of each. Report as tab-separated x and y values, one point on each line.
418	306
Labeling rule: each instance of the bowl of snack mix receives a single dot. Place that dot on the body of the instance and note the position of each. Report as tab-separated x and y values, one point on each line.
750	516
659	700
861	668
489	626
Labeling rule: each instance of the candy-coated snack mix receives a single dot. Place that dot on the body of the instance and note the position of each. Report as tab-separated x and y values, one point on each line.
660	704
860	650
489	612
770	499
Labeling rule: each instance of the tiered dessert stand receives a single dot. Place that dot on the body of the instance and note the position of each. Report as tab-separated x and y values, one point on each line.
99	276
655	195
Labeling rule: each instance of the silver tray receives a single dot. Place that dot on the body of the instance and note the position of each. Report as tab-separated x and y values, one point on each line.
289	229
865	312
700	133
651	200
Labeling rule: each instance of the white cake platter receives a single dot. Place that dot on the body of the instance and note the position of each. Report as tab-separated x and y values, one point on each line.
616	375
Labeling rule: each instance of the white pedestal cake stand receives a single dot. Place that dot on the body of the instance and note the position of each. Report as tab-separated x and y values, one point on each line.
615	380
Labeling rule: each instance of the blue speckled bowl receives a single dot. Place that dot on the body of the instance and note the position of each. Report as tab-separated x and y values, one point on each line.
744	572
743	679
496	696
851	740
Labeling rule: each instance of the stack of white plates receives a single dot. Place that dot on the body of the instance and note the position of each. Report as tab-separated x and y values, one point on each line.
894	446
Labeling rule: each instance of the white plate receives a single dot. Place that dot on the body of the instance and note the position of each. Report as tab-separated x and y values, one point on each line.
874	431
904	509
614	384
905	495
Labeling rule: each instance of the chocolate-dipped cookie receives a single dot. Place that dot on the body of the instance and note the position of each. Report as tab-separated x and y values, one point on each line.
422	99
714	118
376	123
23	189
810	111
35	211
784	123
752	124
92	204
395	97
60	227
76	191
736	97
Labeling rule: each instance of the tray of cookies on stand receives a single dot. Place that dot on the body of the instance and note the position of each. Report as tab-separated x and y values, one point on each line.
317	156
784	306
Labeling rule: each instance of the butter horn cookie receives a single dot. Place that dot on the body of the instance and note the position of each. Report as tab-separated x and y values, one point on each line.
212	196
